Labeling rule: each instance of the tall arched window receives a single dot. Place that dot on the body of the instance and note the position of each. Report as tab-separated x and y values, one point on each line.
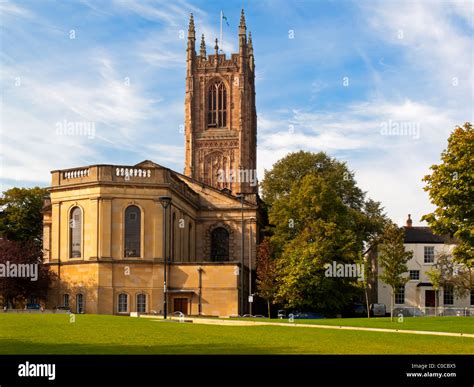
220	244
141	303
66	300
217	105
123	303
79	303
75	234
132	231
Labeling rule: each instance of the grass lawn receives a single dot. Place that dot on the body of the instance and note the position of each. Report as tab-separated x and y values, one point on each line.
94	334
437	324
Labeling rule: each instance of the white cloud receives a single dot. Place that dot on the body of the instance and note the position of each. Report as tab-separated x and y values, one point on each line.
388	167
8	9
431	38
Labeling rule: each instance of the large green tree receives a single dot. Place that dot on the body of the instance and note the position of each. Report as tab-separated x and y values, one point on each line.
451	190
318	215
20	214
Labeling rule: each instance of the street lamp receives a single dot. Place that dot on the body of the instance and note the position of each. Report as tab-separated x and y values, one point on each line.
165	203
241	196
252	220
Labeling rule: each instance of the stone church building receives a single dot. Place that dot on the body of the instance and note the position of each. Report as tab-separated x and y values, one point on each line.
111	230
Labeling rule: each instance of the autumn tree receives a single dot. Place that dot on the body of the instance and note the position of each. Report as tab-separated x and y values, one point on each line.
14	289
451	190
393	259
266	273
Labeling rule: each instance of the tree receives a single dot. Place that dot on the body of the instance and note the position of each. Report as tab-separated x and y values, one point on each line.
290	170
14	289
266	273
445	272
318	215
451	190
365	282
20	214
393	260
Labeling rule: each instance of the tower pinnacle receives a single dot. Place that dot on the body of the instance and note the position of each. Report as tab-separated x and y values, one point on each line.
203	47
191	30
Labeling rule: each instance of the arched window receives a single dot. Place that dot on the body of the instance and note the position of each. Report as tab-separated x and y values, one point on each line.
123	303
66	299
132	231
141	303
217	105
220	244
80	303
75	234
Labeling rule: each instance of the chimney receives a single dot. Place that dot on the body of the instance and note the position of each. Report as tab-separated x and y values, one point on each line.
409	221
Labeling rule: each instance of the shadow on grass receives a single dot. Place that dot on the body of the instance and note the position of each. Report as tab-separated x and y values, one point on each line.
20	347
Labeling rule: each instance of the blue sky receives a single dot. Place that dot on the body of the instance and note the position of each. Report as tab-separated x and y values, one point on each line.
331	76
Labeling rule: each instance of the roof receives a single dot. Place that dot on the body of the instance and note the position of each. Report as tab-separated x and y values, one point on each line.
425	235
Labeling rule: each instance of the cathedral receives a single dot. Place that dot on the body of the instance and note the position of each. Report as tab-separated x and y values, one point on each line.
145	239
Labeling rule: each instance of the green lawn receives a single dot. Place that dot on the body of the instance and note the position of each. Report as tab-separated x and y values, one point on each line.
93	334
437	324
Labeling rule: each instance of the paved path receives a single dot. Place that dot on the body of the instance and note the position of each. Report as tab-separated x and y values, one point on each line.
229	322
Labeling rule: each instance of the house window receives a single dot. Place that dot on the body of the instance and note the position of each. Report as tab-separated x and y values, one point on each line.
400	295
448	295
80	303
66	299
220	244
141	303
132	231
75	233
414	275
429	254
122	303
472	297
217	105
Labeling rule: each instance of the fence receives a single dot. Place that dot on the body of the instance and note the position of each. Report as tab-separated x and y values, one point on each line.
415	311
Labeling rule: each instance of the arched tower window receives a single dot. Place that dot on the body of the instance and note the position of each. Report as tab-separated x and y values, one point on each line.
217	105
132	231
220	244
75	227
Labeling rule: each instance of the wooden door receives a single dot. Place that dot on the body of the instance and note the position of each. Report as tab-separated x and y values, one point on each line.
180	305
430	298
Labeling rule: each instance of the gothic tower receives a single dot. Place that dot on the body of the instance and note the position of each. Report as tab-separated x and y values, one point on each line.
220	114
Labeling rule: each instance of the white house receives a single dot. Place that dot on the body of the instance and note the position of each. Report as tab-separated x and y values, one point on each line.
418	296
